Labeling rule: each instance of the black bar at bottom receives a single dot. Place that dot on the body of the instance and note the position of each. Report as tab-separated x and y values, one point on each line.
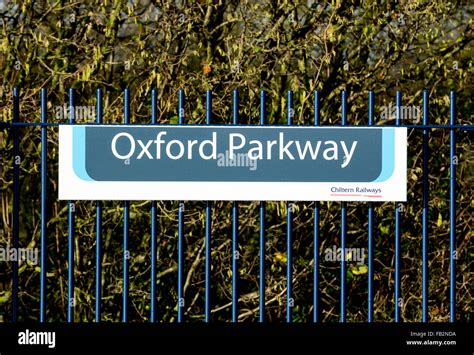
194	337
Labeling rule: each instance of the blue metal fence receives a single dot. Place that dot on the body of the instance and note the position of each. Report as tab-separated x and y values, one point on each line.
15	124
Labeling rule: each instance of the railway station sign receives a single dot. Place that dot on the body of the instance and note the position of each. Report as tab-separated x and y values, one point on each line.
193	162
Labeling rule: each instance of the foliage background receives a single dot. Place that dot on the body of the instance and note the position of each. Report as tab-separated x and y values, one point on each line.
250	45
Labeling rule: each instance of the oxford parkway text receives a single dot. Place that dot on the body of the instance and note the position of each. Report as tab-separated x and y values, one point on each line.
207	149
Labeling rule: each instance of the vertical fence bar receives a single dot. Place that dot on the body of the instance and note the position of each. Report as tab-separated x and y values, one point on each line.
207	310
126	253
397	229
235	223
316	231
71	218
424	247
261	288
180	224
289	230
98	229
370	286
153	235
16	200
44	157
452	209
342	316
153	261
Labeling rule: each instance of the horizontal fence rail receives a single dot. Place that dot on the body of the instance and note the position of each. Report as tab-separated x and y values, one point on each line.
16	124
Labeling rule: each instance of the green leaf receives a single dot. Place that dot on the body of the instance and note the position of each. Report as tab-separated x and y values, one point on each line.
359	270
5	296
174	120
